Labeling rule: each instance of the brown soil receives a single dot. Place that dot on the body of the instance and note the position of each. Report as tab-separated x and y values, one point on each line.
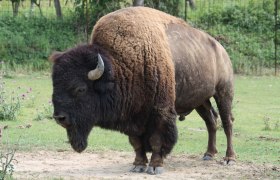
116	165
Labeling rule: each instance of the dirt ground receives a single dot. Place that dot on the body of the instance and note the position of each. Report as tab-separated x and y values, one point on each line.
116	165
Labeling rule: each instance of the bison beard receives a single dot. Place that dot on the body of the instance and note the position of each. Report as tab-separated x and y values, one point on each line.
77	141
136	76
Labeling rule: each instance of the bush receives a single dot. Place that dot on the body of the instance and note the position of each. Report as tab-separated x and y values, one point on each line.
45	113
7	160
31	40
247	34
251	18
9	105
11	100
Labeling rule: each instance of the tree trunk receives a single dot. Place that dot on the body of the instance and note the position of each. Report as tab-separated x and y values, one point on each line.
58	9
192	4
38	4
157	3
176	8
15	5
138	2
32	8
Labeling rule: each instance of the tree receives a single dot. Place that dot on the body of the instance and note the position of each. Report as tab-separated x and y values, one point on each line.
15	6
138	2
38	4
170	6
57	9
192	3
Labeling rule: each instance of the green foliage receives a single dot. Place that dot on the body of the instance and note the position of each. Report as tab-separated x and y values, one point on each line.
6	163
268	124
7	159
246	29
11	101
90	11
252	18
31	40
9	105
277	125
44	113
246	32
169	6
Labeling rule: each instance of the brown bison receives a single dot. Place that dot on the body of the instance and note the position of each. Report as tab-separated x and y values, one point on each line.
142	68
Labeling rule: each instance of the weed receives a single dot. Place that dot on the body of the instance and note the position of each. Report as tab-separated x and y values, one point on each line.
277	125
4	70
45	112
7	157
267	126
6	162
30	98
9	105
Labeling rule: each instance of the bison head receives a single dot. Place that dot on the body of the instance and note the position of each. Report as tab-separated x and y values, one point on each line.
82	79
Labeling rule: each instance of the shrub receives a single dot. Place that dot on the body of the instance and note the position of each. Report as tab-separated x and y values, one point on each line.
44	113
9	105
31	40
6	163
247	33
11	101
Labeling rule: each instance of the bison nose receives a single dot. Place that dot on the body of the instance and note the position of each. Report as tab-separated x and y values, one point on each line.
62	119
59	118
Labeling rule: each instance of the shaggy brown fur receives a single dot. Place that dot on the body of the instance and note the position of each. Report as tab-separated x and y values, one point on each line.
202	66
154	64
142	66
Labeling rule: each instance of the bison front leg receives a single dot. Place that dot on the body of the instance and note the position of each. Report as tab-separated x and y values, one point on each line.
162	140
156	163
141	160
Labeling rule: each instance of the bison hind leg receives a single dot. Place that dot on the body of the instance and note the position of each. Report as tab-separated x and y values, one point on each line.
224	97
209	115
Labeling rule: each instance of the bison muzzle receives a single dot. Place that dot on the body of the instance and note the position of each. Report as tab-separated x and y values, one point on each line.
141	69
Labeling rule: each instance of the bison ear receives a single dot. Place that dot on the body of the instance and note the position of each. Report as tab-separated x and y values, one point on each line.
55	56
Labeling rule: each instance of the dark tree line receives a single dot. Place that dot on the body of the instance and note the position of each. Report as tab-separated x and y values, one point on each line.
98	8
33	3
169	6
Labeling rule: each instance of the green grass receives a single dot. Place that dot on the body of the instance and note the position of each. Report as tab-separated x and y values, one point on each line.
256	99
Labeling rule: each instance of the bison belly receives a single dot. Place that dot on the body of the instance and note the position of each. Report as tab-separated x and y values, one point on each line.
194	54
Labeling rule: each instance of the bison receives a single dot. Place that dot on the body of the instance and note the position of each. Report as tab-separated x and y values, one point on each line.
140	70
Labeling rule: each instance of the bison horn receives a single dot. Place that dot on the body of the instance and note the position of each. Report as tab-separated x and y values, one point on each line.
98	71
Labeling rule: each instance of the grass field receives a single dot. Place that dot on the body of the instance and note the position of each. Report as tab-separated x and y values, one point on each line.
256	126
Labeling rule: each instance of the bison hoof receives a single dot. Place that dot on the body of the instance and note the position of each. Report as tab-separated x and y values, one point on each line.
138	169
154	170
229	161
207	157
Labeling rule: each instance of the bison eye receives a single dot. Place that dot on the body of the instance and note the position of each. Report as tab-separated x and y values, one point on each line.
80	90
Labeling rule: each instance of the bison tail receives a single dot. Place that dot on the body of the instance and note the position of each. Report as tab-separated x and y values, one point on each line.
170	137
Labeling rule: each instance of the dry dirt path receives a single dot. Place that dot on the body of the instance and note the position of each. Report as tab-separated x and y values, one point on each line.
116	165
